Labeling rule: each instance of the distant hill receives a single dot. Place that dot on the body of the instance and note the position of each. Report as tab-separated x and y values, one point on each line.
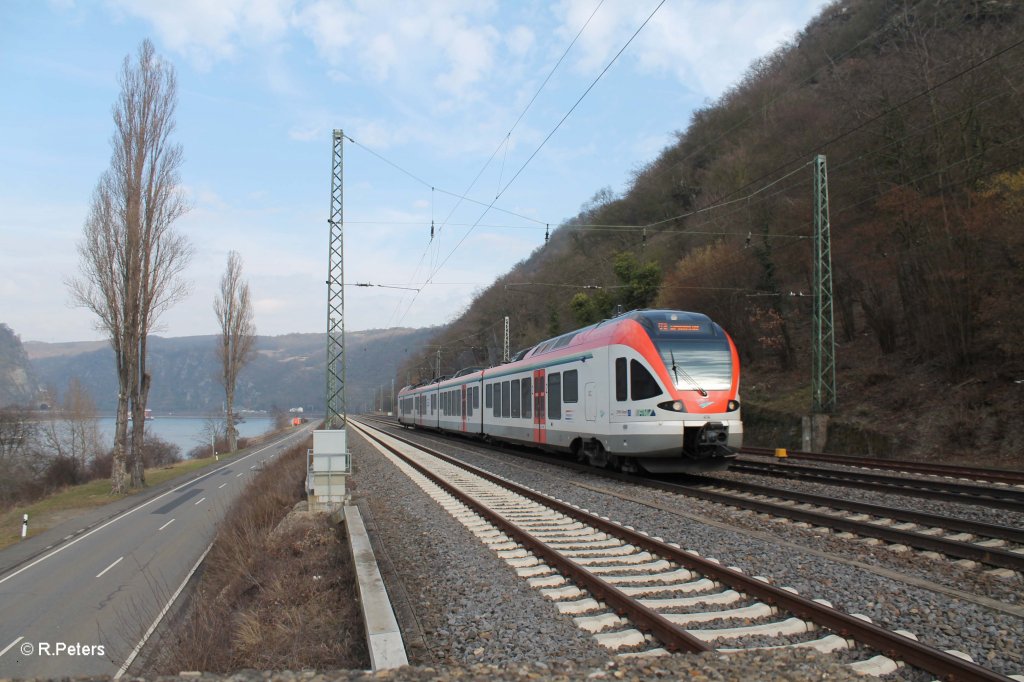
18	382
287	371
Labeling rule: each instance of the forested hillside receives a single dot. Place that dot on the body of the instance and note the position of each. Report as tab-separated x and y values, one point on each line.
918	107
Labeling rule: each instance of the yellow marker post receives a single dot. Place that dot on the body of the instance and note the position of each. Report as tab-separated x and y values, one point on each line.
780	453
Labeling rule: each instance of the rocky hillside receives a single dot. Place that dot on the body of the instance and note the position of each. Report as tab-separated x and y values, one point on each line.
18	384
287	371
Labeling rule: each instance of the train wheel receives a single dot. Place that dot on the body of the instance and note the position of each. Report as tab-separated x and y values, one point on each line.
596	454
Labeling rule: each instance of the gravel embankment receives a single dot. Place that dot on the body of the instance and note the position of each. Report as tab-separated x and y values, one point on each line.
788	666
990	637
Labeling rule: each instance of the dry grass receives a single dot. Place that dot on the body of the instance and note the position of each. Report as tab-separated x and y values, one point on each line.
272	595
53	509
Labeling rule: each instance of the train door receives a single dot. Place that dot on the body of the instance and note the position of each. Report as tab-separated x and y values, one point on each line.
618	382
540	411
462	398
590	401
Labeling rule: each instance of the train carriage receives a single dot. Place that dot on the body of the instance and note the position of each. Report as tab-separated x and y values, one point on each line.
656	390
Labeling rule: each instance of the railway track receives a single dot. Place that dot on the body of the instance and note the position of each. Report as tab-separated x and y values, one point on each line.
903	528
996	496
1005	476
997	547
641	595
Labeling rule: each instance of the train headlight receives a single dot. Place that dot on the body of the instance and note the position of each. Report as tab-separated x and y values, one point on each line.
672	406
733	405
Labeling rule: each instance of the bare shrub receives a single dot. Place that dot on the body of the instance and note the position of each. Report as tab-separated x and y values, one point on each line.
270	598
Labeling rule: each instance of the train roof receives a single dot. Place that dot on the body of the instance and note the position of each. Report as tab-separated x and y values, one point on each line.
659	323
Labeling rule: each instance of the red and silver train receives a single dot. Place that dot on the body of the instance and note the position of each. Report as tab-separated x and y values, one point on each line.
651	390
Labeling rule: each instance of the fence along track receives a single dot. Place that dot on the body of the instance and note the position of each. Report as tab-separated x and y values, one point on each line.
619	566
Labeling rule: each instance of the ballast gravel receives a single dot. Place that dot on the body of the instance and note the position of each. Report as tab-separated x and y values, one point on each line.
460	605
786	666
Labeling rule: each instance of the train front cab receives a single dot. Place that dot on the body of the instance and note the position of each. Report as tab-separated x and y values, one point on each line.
673	383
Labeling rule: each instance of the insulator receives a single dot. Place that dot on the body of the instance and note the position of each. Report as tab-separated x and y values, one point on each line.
431	230
547	233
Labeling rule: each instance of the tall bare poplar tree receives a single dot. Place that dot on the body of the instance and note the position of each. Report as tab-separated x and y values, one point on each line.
130	258
233	307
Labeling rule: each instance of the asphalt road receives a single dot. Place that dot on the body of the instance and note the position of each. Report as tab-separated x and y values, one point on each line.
84	607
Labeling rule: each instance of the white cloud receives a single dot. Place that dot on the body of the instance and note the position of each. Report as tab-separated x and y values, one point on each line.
706	45
206	31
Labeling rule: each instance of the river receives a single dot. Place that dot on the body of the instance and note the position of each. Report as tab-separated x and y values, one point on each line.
185	432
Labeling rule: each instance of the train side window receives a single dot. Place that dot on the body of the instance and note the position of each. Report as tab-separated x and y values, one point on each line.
527	393
487	395
505	400
514	411
641	384
620	379
570	386
497	398
476	397
554	396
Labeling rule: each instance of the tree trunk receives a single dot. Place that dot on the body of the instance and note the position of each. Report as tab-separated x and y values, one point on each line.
232	432
118	470
138	464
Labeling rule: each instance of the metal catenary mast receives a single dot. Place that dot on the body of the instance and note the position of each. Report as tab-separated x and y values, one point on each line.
823	373
336	294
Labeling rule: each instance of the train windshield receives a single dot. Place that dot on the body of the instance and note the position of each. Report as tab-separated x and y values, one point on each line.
697	364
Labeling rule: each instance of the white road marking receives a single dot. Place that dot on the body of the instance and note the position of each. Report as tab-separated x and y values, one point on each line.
8	647
252	467
109	567
144	504
166	524
239	474
160	616
198	503
221	486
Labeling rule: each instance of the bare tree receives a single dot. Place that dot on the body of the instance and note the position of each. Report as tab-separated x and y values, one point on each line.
233	307
131	260
72	430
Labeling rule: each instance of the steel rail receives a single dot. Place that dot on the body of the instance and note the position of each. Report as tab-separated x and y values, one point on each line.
672	636
937	469
1000	498
992	556
896	646
988	530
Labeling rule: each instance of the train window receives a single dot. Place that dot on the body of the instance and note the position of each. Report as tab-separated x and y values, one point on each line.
514	410
527	393
620	379
563	341
469	401
570	386
554	396
497	399
641	384
505	400
476	397
487	395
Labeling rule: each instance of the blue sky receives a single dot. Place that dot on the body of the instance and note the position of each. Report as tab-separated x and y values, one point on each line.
435	87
